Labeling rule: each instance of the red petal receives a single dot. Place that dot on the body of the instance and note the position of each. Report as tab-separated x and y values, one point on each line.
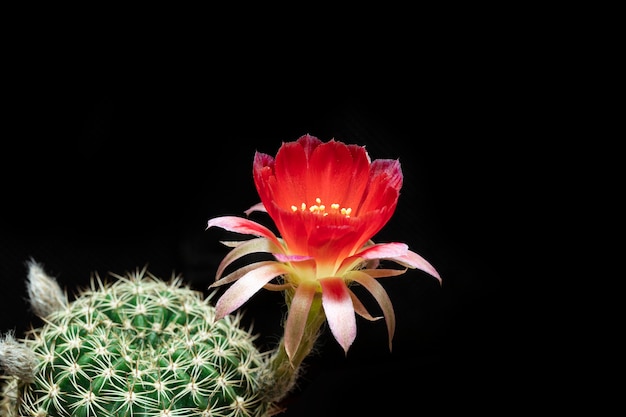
388	169
336	175
339	311
290	170
263	174
383	188
308	143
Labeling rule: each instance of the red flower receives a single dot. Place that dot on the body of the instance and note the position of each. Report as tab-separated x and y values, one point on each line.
327	201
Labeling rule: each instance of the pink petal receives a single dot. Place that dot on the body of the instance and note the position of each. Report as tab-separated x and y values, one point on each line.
244	226
397	252
413	260
383	251
247	247
383	273
246	287
298	313
374	252
339	311
238	273
381	297
291	258
360	309
256	207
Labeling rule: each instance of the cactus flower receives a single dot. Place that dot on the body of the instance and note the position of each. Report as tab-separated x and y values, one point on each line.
327	200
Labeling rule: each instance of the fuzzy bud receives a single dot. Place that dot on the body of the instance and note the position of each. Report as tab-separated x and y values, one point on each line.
44	293
16	359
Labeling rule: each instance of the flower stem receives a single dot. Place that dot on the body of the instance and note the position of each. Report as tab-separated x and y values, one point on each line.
284	372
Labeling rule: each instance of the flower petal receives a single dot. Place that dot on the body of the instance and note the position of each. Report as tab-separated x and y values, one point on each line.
383	189
383	273
390	170
291	258
373	252
381	297
247	247
244	226
339	311
413	260
277	287
246	287
336	174
383	251
360	309
238	273
298	313
290	170
256	207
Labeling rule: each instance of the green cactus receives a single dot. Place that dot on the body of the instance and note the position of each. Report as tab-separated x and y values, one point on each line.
136	346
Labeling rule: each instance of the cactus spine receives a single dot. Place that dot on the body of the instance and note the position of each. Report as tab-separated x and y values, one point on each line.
138	346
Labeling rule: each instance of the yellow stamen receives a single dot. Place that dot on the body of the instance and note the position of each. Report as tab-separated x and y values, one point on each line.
320	208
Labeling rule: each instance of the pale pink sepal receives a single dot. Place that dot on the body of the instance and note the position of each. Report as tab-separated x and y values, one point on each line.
243	226
360	309
247	247
383	251
298	313
256	207
372	253
238	273
383	272
232	243
339	311
245	287
381	297
277	287
413	260
291	258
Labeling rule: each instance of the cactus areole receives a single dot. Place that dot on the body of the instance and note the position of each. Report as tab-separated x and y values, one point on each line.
138	346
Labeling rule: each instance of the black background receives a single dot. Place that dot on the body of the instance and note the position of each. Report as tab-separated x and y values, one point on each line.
112	162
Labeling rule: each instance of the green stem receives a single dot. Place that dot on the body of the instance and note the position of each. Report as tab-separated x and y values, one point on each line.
284	372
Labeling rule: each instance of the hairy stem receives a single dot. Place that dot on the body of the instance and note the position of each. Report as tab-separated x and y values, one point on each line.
285	373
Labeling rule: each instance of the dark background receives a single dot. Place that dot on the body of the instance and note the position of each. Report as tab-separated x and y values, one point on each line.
110	165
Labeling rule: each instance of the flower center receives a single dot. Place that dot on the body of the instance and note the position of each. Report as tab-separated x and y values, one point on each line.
319	208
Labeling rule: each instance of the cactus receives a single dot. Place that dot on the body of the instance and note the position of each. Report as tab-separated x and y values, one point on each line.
141	346
134	346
